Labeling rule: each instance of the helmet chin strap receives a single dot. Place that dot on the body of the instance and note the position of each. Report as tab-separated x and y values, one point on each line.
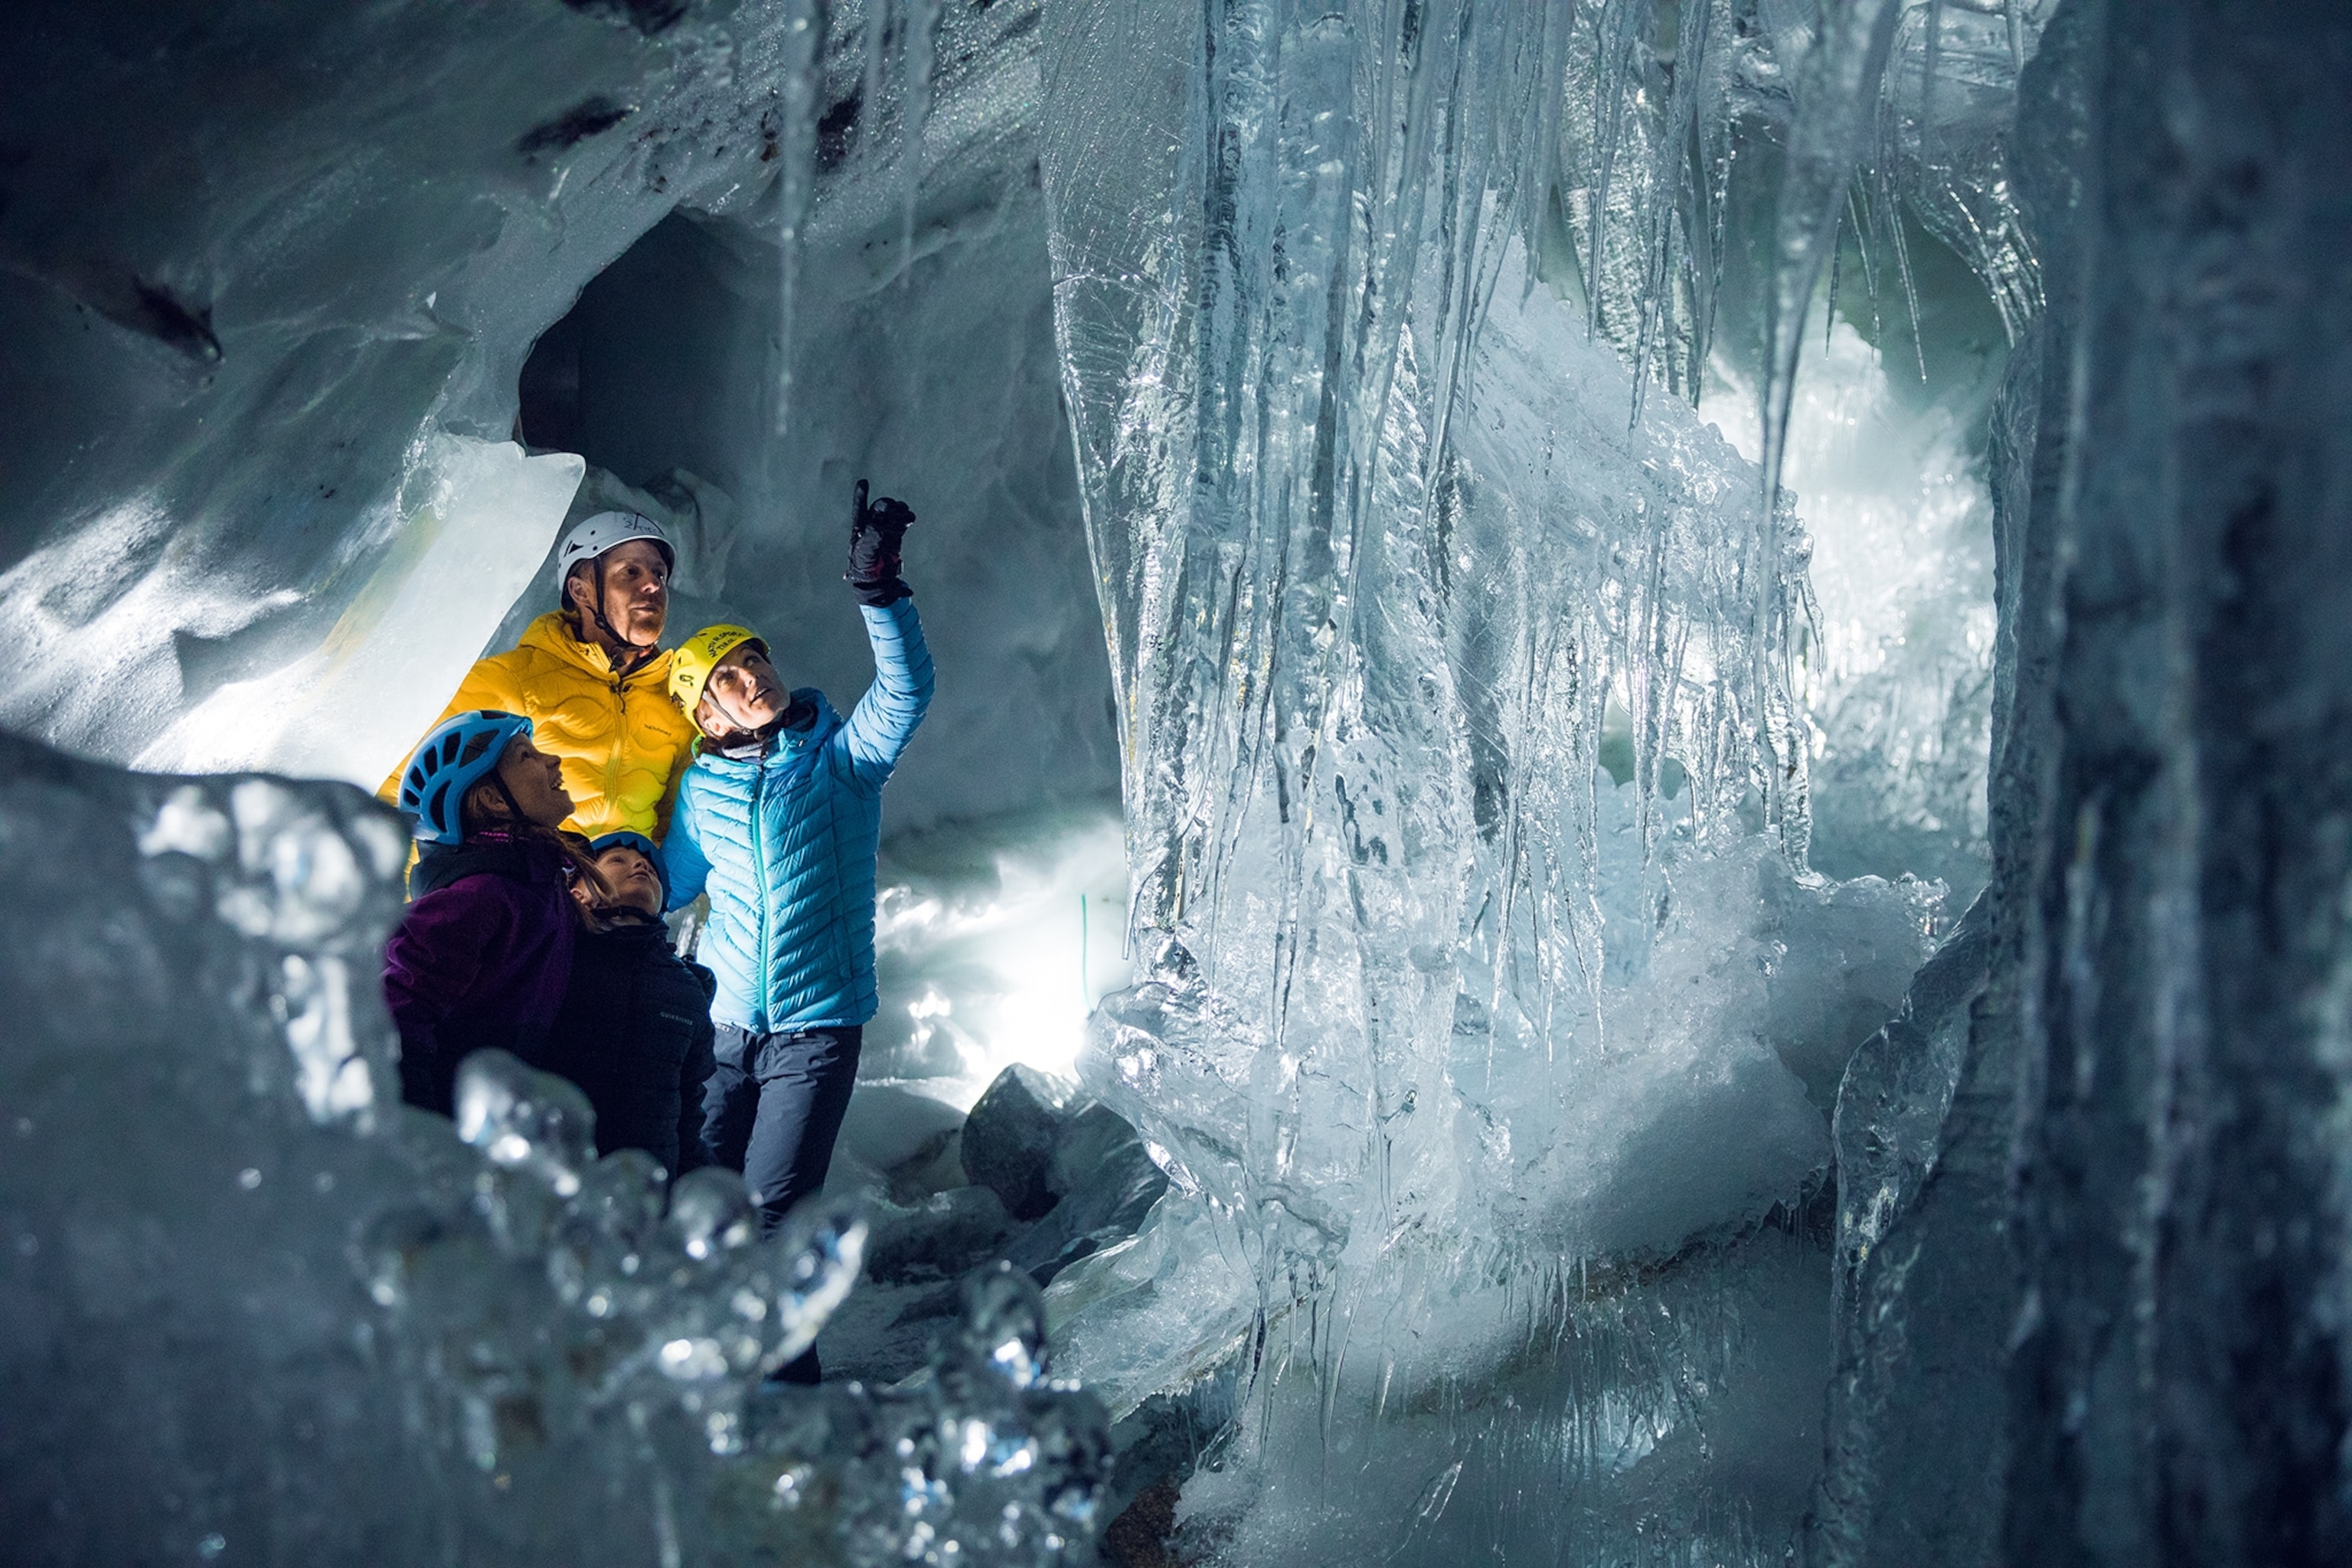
514	807
743	731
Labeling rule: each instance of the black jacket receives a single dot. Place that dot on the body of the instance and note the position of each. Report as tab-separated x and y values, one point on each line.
635	1033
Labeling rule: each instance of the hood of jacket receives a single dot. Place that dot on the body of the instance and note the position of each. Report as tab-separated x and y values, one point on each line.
490	853
627	930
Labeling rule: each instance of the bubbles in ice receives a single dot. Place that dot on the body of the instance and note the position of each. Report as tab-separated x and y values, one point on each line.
314	999
997	1463
755	1304
525	1120
300	880
186	824
825	1246
711	1213
304	876
1004	1325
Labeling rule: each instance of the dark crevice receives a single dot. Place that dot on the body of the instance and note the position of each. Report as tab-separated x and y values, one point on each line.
589	117
647	16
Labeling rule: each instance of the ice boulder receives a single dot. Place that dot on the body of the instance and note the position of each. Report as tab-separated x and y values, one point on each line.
258	1313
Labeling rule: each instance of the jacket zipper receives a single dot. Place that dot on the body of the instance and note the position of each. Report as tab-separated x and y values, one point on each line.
620	729
759	869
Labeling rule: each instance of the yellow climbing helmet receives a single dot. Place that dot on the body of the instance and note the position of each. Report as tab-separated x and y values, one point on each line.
697	656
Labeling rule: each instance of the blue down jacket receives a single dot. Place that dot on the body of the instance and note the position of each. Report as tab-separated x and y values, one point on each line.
785	840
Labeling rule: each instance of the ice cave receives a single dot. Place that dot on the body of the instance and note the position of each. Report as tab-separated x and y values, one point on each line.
1634	846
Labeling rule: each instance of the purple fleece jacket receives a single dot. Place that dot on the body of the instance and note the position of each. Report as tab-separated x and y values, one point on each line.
481	960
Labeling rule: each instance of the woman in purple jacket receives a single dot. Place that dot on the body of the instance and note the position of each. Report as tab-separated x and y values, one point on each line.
482	958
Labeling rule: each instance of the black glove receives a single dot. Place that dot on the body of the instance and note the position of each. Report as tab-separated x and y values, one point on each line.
876	533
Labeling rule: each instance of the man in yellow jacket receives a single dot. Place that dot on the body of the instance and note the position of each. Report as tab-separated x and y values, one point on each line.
593	678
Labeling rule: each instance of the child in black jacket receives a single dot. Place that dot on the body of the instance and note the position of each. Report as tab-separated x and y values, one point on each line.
634	1031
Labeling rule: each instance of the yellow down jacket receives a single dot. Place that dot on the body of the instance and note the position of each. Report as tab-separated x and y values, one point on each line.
623	742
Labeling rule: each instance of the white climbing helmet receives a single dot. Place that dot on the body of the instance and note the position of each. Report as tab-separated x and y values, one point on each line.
591	536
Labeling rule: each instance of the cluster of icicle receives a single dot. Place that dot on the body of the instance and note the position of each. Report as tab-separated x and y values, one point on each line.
1382	551
1278	234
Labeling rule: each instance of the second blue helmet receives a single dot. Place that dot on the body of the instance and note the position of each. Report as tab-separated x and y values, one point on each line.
644	846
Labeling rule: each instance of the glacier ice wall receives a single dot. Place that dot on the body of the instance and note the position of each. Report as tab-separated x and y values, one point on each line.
2130	1201
248	255
1453	1048
2177	1386
265	498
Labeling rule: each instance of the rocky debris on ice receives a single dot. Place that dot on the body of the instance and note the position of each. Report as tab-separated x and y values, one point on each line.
1038	1176
1008	1144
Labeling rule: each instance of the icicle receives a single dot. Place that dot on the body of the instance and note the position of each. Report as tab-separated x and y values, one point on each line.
1837	94
918	60
870	102
1931	65
795	154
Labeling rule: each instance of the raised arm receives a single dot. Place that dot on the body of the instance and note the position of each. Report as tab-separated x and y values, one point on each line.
885	717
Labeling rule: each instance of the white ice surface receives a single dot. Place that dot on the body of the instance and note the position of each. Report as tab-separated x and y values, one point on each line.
477	518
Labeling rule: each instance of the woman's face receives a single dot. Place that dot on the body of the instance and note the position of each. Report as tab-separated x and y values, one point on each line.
743	694
536	782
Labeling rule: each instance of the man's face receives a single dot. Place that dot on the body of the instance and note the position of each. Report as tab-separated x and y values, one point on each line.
743	694
631	877
637	590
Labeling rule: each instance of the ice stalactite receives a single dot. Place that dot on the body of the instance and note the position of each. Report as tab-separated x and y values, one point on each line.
1834	93
1646	192
799	103
1428	1000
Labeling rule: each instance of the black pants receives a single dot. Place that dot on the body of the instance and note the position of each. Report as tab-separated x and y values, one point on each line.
771	1110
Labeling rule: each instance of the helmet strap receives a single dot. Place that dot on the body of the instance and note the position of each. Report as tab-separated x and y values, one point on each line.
514	807
622	654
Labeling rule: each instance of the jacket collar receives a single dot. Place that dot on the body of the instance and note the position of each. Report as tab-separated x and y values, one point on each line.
630	927
489	852
551	633
789	743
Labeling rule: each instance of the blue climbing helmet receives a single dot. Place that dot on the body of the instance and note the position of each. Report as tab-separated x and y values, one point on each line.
460	753
627	839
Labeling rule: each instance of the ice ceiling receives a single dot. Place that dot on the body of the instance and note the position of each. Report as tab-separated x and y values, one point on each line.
1674	1029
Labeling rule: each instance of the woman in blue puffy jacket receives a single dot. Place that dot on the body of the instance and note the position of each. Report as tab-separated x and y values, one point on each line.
778	819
